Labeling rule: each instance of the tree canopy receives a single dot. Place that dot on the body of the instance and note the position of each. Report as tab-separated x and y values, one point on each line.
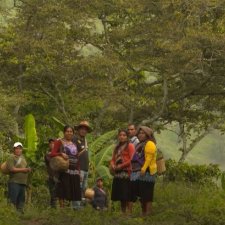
114	62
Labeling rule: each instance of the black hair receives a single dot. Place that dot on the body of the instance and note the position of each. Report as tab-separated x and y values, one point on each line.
131	124
119	144
152	138
149	138
67	127
50	140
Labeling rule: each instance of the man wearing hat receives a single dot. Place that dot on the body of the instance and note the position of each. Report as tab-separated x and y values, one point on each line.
18	174
80	140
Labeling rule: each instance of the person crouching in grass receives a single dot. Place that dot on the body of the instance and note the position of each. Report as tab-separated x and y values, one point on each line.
99	201
18	174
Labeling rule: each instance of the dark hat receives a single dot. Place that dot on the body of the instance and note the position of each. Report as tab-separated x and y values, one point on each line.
147	130
83	123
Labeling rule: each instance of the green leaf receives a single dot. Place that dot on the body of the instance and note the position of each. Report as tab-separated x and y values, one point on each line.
99	143
59	123
103	171
30	137
104	155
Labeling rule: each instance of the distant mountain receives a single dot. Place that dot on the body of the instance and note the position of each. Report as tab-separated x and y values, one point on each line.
210	149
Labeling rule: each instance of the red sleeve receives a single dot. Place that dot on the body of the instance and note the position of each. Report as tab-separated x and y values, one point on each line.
112	162
127	161
56	149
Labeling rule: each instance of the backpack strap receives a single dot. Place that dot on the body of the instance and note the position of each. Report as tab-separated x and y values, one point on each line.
61	149
18	161
85	147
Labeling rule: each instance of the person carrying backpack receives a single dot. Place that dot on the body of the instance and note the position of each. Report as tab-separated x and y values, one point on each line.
144	169
18	174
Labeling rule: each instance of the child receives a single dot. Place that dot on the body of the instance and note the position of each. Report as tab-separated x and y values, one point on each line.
51	175
99	201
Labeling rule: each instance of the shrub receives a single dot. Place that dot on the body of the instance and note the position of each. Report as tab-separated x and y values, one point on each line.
201	174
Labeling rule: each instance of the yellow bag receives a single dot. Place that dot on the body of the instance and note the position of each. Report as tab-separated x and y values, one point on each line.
160	162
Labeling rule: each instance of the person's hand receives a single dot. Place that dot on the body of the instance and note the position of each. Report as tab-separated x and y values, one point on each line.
65	156
118	167
142	172
113	167
27	170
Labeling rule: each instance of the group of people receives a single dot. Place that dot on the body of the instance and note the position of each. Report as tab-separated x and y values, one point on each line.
133	166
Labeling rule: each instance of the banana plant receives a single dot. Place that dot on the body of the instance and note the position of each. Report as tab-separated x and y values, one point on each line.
31	138
100	154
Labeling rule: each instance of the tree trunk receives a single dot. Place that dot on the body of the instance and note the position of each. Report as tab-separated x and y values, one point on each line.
131	116
183	136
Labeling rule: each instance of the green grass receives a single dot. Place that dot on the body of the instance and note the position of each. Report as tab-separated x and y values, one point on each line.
175	204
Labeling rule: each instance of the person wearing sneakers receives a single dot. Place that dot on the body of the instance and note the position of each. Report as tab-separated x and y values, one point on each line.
18	174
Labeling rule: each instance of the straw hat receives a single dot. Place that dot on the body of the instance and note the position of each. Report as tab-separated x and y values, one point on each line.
83	123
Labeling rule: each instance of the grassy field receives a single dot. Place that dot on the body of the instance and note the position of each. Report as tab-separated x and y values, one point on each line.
175	204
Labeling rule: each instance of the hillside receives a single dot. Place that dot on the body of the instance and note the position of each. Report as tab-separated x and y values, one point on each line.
210	149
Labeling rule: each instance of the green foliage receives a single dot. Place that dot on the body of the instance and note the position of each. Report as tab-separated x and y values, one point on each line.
201	174
30	138
60	124
8	214
110	63
101	150
223	180
175	203
101	141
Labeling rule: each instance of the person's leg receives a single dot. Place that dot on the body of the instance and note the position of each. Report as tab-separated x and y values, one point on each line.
13	192
61	203
146	208
77	204
143	208
123	206
21	198
85	181
84	186
130	207
149	208
52	187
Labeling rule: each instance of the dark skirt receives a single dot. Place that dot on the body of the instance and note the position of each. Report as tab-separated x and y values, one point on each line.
68	187
143	190
120	189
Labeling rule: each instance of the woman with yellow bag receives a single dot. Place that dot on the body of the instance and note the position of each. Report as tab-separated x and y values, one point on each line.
144	169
